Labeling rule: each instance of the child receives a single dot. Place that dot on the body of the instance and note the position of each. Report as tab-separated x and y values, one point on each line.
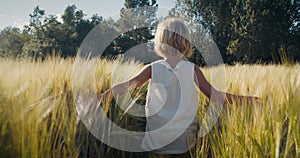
172	96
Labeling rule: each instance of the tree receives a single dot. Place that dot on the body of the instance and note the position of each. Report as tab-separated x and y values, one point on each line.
12	41
51	36
76	27
33	47
142	14
247	30
214	17
72	18
262	29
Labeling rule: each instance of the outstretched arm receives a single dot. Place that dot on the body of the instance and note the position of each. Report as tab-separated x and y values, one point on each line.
216	95
143	76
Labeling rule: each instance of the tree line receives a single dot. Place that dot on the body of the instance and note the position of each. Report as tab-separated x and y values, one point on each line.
245	31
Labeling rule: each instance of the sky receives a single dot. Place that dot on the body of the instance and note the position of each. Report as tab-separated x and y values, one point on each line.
16	12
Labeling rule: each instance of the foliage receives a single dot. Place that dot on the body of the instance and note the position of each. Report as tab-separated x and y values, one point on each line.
248	31
245	31
12	41
137	30
46	35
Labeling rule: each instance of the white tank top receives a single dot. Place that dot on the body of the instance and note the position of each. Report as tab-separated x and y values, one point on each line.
171	107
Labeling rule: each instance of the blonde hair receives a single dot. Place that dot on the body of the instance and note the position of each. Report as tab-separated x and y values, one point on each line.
172	36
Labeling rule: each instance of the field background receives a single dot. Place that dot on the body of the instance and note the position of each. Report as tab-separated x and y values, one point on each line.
38	116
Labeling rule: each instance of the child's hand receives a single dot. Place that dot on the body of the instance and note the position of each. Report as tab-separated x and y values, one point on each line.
255	100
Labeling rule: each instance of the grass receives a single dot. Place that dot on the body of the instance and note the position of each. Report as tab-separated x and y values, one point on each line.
38	116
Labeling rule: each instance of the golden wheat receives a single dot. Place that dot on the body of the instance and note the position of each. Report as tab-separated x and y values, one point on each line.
38	116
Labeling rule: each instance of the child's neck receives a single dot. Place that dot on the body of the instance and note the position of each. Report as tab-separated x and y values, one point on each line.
173	60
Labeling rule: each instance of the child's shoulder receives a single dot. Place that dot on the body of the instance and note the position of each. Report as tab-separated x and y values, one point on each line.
157	61
163	63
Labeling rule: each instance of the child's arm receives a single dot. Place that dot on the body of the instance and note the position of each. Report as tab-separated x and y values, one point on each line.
143	76
216	95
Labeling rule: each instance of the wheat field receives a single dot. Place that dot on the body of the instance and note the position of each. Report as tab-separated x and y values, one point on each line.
38	117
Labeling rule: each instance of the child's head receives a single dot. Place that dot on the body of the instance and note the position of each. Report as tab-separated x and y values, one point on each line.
172	37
